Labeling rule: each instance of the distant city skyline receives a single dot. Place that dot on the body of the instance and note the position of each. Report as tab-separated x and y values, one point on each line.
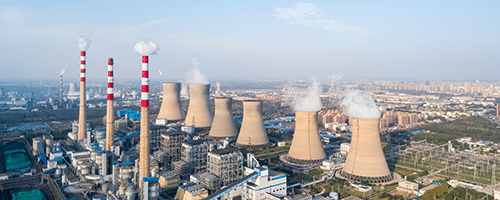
450	40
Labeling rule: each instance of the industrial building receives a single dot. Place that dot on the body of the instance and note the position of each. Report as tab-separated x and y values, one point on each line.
211	182
155	135
268	185
227	164
171	143
194	152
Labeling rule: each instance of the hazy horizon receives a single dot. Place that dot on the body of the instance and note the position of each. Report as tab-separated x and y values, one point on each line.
258	40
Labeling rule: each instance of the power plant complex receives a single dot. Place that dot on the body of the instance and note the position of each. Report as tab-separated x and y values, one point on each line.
195	154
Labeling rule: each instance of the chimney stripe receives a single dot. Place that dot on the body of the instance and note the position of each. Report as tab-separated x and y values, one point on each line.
145	82
110	79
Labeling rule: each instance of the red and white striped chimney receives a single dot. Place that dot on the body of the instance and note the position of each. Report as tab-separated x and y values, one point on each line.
110	111
145	82
144	170
82	129
110	80
82	66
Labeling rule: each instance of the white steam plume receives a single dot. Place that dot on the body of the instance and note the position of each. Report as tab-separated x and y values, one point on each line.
84	42
63	71
159	71
195	76
311	102
217	84
360	105
333	81
146	48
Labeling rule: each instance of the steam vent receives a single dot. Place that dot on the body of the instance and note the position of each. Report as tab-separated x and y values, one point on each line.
306	148
223	125
366	160
199	114
252	132
171	107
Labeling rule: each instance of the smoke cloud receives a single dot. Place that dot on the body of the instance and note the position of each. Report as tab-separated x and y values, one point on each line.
159	71
311	102
63	71
195	76
359	105
84	42
146	48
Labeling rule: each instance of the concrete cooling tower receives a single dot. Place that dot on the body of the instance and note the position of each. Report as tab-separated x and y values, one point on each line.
223	125
365	160
199	114
72	93
252	132
306	148
171	107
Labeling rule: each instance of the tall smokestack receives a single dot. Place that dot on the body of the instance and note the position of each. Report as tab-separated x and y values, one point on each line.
366	160
252	132
199	114
61	92
223	124
110	111
144	139
82	129
171	107
306	148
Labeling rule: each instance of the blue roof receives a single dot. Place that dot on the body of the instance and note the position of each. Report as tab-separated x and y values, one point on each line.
43	158
150	179
102	151
128	136
126	163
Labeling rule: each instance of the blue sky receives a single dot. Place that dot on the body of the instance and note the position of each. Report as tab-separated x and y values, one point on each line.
254	39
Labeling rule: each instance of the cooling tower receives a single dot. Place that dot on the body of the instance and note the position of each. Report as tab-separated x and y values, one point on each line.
171	107
72	94
199	114
306	148
223	125
252	132
365	160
